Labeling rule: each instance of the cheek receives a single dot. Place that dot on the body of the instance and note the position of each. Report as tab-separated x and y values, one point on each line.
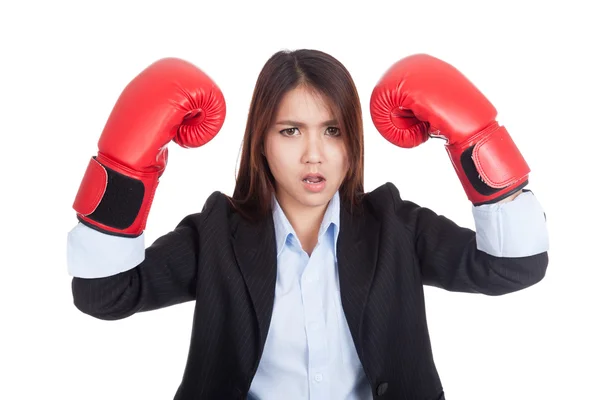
339	157
279	156
343	164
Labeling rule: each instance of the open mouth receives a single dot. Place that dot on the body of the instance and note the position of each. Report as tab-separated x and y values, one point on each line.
313	179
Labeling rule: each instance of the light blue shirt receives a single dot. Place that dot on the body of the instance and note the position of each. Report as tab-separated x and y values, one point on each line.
309	352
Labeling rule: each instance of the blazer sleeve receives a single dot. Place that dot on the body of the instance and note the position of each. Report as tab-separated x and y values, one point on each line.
449	257
166	276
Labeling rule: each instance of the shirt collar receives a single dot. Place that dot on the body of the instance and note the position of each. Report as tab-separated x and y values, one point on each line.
283	228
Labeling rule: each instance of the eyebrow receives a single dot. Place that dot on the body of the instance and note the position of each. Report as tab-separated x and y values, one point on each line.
296	123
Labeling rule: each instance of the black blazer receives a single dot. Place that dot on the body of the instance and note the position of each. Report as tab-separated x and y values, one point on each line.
387	250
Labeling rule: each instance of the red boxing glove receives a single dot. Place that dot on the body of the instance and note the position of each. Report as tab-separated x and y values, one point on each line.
170	100
421	96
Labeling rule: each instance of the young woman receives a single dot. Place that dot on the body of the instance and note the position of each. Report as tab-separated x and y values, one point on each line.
305	287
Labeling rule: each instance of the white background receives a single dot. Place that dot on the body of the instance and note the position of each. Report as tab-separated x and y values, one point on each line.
63	66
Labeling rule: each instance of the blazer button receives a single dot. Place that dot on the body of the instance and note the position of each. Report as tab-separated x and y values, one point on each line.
382	388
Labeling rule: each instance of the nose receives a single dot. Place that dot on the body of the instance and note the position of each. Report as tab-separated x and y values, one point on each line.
313	152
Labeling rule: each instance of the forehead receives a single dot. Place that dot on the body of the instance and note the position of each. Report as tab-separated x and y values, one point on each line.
304	103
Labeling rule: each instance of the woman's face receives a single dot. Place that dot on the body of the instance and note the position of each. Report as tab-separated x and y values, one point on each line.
305	150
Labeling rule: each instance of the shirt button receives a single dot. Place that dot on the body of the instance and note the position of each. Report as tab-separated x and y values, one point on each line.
318	377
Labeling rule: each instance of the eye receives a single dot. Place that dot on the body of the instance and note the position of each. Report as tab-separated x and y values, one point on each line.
333	131
288	131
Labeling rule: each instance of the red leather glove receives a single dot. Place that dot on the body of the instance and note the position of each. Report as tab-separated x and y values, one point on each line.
421	96
170	100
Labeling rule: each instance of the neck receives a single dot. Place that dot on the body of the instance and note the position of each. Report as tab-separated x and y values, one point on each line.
306	221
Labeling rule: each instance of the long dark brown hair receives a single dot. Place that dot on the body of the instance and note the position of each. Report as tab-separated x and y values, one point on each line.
285	71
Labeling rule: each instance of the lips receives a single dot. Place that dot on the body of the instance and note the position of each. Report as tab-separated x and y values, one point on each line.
313	178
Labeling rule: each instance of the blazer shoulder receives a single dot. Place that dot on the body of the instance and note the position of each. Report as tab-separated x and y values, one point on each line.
384	198
387	203
215	210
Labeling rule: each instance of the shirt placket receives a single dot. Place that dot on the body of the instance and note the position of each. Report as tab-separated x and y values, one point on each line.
314	319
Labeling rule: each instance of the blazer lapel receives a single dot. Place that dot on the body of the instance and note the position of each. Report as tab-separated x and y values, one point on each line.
254	247
357	250
357	245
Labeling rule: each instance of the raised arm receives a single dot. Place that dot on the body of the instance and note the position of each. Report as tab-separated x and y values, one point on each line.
114	276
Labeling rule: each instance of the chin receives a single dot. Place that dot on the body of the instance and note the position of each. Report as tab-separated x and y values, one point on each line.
315	199
300	195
